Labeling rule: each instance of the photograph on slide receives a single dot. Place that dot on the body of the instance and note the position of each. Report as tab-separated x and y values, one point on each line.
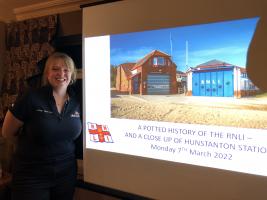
192	74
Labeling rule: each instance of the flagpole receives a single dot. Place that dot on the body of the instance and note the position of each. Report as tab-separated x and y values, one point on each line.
186	54
171	43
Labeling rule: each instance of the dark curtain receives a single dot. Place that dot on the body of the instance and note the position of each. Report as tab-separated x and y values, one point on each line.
27	43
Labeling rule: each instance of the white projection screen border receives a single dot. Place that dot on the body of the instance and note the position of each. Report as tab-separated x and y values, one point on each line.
141	175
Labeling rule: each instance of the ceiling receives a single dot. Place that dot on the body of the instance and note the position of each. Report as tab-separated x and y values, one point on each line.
7	8
16	10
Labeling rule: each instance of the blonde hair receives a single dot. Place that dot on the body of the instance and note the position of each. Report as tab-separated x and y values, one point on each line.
67	60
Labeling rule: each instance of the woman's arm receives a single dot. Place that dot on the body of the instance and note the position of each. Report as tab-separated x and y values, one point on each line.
11	125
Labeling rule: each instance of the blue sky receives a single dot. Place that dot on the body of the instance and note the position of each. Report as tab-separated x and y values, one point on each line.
226	41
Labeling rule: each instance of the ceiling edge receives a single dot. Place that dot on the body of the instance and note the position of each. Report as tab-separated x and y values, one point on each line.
48	8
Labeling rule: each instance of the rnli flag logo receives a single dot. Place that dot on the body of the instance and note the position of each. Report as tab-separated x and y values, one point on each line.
99	133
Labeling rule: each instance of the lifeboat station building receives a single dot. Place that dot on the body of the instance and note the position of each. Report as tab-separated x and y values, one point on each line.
155	73
219	79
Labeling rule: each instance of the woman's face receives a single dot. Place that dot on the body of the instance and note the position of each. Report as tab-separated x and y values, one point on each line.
58	74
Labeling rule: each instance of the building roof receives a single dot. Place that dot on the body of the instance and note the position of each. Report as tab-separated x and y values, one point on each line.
126	67
153	53
214	63
179	72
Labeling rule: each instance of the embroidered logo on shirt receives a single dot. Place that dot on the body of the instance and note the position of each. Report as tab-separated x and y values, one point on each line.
99	133
44	111
75	114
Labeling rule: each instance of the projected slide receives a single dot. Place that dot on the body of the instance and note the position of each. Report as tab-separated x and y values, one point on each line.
179	94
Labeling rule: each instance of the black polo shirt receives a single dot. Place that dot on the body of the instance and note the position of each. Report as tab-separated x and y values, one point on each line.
46	134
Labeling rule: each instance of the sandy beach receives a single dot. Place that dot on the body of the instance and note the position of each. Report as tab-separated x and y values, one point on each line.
243	112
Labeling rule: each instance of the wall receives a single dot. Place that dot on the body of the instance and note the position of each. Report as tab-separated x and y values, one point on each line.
5	146
70	23
2	49
69	37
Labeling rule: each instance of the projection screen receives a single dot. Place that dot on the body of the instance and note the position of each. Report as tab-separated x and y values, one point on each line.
169	109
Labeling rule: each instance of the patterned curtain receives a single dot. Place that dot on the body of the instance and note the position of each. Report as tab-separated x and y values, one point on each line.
27	43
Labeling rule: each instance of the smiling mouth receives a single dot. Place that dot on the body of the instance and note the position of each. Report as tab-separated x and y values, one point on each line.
60	79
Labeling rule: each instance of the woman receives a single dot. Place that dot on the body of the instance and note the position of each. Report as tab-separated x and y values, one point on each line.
46	122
